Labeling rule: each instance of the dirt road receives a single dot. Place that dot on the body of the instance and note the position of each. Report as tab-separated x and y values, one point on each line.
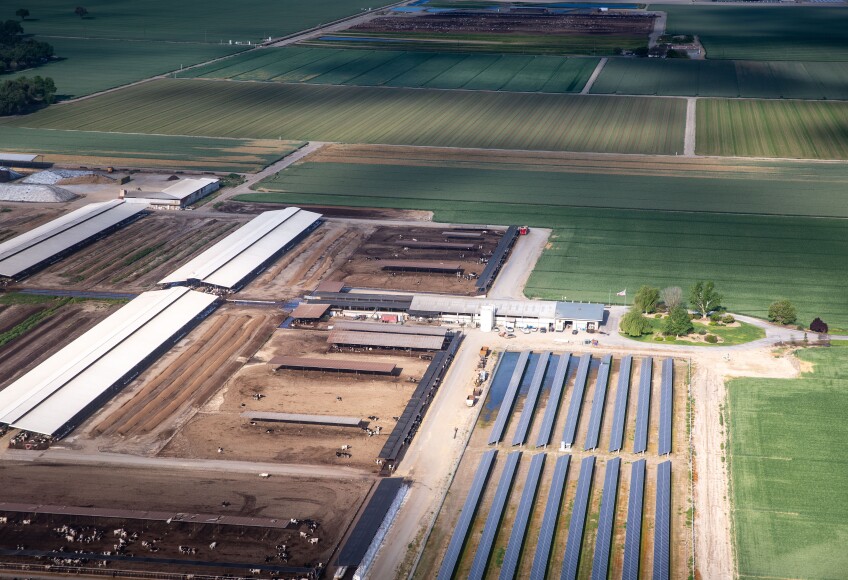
513	276
689	138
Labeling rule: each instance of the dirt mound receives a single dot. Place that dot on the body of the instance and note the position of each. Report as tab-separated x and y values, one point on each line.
35	193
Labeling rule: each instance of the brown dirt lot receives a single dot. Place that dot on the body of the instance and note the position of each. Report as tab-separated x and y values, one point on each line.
219	423
69	321
331	503
251	208
16	218
137	256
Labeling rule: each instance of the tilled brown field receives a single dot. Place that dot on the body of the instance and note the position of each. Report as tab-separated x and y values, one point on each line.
17	218
136	257
251	208
219	423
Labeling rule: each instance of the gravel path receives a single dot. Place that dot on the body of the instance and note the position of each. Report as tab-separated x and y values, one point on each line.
594	76
689	139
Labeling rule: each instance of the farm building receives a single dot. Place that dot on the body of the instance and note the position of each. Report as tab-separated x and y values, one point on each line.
386	340
19	159
40	247
238	258
323	364
360	304
521	313
54	397
177	196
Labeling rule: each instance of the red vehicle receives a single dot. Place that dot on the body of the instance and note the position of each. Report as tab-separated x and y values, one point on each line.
523	230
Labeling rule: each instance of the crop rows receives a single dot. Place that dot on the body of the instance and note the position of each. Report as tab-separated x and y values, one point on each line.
754	259
724	78
795	129
491	72
379	115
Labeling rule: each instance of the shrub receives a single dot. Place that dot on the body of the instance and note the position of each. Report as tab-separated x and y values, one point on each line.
818	325
711	338
670	337
658	338
658	316
728	319
715	317
782	312
702	331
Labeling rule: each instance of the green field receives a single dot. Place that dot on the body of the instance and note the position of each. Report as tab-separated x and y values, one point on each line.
808	33
379	115
132	150
207	21
754	259
724	78
92	65
493	72
793	129
788	471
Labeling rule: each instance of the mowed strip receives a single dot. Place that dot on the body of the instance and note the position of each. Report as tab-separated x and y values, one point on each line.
793	129
379	115
495	72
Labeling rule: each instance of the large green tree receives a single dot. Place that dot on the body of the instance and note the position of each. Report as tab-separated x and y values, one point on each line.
20	95
647	298
678	322
782	312
16	52
634	323
704	297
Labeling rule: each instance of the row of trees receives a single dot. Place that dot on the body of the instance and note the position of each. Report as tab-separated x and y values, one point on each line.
18	96
18	52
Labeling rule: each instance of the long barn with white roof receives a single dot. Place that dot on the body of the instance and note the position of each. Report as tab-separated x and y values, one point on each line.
236	259
54	397
40	247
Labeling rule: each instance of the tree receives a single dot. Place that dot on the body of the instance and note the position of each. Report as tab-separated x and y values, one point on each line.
22	13
16	52
646	299
672	297
634	324
677	323
704	297
782	312
818	325
81	11
22	94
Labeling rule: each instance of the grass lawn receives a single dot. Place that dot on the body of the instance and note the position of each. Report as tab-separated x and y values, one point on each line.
754	259
794	129
133	150
728	336
813	33
788	471
378	115
495	72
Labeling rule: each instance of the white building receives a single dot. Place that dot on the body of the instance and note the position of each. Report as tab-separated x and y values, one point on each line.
177	196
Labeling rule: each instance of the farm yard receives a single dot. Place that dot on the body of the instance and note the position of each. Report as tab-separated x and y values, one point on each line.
472	555
136	257
805	33
18	218
789	129
724	78
788	473
379	115
392	68
132	150
622	244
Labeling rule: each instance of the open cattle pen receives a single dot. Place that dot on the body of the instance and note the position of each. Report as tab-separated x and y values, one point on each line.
579	466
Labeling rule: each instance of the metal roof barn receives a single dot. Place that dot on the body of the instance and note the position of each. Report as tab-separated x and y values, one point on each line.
422	266
54	396
242	254
324	364
331	420
385	340
310	311
47	243
330	286
390	328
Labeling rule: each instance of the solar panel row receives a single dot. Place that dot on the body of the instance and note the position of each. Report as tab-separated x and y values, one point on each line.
662	523
578	520
493	520
469	508
643	411
522	517
633	537
554	399
600	396
576	403
603	541
509	398
619	415
542	557
530	400
666	403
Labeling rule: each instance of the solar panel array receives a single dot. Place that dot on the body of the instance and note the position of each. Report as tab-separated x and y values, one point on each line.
603	541
662	523
600	396
554	398
530	400
578	519
549	521
666	404
643	411
509	398
576	403
463	525
522	517
633	537
619	415
493	521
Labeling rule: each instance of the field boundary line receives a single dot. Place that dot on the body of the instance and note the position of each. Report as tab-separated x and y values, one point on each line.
595	74
690	131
